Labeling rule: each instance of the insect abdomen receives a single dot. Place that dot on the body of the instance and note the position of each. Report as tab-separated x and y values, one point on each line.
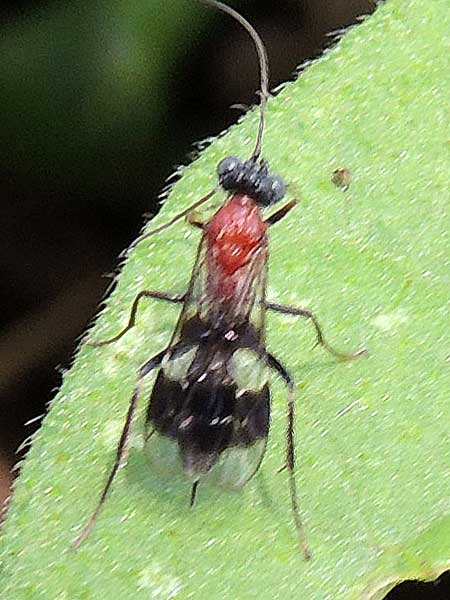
207	419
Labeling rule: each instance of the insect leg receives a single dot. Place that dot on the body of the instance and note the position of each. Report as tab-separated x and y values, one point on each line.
122	448
175	219
275	364
281	212
301	312
193	493
193	219
132	319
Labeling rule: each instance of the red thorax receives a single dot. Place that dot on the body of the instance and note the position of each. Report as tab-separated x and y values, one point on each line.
236	235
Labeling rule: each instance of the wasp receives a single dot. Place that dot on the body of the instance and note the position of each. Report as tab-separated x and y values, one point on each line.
210	404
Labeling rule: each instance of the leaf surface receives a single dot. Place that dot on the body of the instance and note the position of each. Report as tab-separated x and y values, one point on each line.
373	442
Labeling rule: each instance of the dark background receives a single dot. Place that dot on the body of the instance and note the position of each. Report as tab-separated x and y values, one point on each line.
98	108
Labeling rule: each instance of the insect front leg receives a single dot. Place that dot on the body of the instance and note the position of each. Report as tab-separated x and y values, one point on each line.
275	364
194	219
132	319
176	218
122	447
281	212
307	314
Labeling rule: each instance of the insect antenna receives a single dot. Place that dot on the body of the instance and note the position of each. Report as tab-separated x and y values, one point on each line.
263	95
263	68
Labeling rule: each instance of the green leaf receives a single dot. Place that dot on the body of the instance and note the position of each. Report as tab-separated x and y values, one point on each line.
373	442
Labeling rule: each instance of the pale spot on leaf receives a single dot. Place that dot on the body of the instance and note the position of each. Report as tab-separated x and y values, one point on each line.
159	583
391	321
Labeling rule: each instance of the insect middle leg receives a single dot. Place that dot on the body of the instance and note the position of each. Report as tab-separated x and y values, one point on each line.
307	314
301	312
176	299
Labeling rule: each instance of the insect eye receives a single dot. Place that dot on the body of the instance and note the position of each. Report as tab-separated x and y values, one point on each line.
228	170
271	189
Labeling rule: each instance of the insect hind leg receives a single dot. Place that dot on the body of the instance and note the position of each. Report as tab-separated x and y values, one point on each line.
193	493
275	364
122	447
134	307
321	341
